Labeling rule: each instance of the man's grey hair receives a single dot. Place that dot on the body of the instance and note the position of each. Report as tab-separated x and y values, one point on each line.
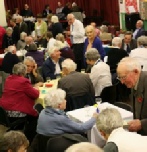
142	41
70	15
130	64
54	19
84	147
104	28
69	64
22	35
60	37
54	98
9	29
11	48
116	42
29	58
19	69
92	54
108	120
140	22
52	50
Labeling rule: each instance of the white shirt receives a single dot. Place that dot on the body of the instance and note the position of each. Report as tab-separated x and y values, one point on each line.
135	32
141	55
77	31
50	43
100	76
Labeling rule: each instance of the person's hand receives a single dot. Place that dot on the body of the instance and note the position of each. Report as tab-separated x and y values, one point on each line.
95	115
134	125
34	70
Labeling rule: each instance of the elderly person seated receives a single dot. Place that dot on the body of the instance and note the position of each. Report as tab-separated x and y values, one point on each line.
84	147
50	40
10	59
36	55
8	38
32	74
28	40
13	141
76	84
53	120
52	65
56	26
21	43
104	35
140	53
66	51
100	73
110	125
60	37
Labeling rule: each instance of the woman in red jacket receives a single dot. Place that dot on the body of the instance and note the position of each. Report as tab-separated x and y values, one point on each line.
19	96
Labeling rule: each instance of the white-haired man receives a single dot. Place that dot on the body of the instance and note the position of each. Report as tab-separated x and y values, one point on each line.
129	73
77	34
110	125
10	59
75	83
52	65
139	29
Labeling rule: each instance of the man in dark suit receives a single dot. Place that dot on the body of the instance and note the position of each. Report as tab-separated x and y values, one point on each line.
128	43
21	24
26	12
139	29
46	11
129	73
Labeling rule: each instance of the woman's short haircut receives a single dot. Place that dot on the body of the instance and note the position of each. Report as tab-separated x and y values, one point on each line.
104	28
29	58
92	54
13	140
69	64
142	40
116	41
84	147
49	35
54	98
108	120
22	35
60	37
9	29
19	69
54	19
32	47
52	50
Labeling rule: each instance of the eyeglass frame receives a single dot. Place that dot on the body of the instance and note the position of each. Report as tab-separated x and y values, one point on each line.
123	77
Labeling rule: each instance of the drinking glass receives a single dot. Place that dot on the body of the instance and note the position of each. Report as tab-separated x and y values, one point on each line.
98	100
48	79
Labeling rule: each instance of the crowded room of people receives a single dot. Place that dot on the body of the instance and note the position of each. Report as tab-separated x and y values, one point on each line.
73	76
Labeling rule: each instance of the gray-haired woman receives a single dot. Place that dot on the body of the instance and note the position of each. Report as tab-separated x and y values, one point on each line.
53	120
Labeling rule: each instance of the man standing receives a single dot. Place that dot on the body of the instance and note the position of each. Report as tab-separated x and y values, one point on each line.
129	73
76	33
128	43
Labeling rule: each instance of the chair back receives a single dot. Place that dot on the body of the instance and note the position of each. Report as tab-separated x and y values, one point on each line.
38	107
109	94
61	143
123	106
77	102
4	118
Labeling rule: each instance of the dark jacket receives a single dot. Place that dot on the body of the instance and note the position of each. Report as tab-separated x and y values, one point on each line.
7	41
48	68
23	27
140	33
9	61
16	34
44	13
67	52
56	29
26	13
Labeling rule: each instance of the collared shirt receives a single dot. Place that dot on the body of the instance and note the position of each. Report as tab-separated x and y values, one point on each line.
77	32
135	32
57	67
136	85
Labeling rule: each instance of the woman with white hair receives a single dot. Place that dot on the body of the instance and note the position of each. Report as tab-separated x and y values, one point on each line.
52	65
110	125
53	120
8	38
21	43
56	26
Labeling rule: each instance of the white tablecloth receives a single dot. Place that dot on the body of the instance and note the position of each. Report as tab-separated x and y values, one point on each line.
84	114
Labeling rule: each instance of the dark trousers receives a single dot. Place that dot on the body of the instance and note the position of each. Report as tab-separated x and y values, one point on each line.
78	53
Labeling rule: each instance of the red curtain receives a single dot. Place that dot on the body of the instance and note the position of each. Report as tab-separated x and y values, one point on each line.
108	9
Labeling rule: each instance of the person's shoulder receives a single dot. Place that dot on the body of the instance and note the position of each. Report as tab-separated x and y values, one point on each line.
110	147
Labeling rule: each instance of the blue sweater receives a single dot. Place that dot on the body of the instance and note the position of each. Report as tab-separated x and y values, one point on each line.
53	122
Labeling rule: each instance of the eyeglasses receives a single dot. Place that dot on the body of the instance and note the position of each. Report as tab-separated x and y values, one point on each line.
122	78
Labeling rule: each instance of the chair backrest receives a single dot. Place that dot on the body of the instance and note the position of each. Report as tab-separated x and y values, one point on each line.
109	94
38	107
123	106
4	118
76	102
61	143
